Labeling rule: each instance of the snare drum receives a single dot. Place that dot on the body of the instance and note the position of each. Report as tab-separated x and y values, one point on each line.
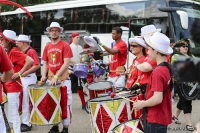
97	69
98	89
45	104
81	70
131	126
107	112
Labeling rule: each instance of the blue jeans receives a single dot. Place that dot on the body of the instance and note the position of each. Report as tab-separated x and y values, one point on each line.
156	128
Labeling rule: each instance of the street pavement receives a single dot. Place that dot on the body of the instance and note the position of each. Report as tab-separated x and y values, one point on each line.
81	120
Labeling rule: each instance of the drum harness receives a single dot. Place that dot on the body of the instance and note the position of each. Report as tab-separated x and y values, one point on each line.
171	87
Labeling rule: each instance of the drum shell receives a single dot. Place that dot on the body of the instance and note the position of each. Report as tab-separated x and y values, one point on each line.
101	87
106	112
81	70
45	104
130	126
97	69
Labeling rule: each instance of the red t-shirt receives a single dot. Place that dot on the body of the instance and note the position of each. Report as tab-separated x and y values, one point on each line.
18	60
33	54
143	77
158	82
118	59
55	54
5	65
133	74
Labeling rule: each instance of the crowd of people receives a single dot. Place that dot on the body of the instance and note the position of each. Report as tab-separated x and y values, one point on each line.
150	72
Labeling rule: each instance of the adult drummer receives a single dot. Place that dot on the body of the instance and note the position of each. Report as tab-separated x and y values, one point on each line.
56	58
28	78
6	69
76	82
119	56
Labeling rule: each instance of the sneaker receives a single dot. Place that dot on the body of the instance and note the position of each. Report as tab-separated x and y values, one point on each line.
54	129
65	130
25	128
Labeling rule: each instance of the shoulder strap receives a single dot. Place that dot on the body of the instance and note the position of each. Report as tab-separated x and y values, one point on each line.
171	81
27	50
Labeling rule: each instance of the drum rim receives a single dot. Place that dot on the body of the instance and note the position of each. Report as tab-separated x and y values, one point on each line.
36	86
111	99
89	88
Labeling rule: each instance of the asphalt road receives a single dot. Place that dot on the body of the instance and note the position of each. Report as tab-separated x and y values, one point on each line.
81	120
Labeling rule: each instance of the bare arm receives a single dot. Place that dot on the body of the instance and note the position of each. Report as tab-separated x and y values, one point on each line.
109	50
144	67
31	70
44	70
28	63
63	67
6	76
154	100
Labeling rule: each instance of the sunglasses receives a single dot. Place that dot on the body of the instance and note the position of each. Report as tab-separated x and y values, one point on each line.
184	46
134	46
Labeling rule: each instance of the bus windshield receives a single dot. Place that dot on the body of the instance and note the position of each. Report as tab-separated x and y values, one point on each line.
193	11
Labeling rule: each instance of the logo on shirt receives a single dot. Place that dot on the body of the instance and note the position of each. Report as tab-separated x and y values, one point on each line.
53	57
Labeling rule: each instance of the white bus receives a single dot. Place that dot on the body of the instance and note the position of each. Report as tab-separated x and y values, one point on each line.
98	17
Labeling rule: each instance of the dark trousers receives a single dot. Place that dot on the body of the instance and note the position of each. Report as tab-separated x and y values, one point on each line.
156	128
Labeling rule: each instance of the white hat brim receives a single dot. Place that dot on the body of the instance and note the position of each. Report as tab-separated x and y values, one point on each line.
23	40
61	28
90	41
137	41
167	52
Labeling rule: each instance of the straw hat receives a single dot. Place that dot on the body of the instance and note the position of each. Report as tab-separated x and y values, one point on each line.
54	25
9	34
90	41
149	30
138	40
23	38
160	43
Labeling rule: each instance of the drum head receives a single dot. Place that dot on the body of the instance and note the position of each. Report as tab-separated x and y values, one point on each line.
188	92
45	85
101	85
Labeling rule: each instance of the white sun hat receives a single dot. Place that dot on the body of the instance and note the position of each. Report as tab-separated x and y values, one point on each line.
54	25
138	40
90	41
23	38
9	34
149	30
160	43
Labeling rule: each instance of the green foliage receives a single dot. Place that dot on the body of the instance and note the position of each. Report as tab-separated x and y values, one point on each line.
24	3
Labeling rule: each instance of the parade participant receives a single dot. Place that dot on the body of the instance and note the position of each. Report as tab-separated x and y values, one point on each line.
184	104
75	81
119	56
21	63
158	92
56	58
138	49
28	78
6	69
148	65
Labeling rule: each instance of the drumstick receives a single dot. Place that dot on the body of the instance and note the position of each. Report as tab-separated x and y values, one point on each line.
136	110
19	83
112	94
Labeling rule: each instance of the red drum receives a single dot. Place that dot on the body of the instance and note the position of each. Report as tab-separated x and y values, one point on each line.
98	89
136	114
130	126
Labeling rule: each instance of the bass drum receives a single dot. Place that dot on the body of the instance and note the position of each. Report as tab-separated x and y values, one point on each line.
189	91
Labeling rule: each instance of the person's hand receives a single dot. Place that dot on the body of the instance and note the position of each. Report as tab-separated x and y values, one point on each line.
127	71
25	74
97	40
137	105
53	81
43	78
135	87
15	76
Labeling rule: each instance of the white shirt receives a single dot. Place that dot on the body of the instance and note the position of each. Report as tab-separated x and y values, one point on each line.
76	50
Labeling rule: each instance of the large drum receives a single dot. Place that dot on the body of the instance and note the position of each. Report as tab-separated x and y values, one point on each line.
98	89
81	70
45	104
130	126
107	112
